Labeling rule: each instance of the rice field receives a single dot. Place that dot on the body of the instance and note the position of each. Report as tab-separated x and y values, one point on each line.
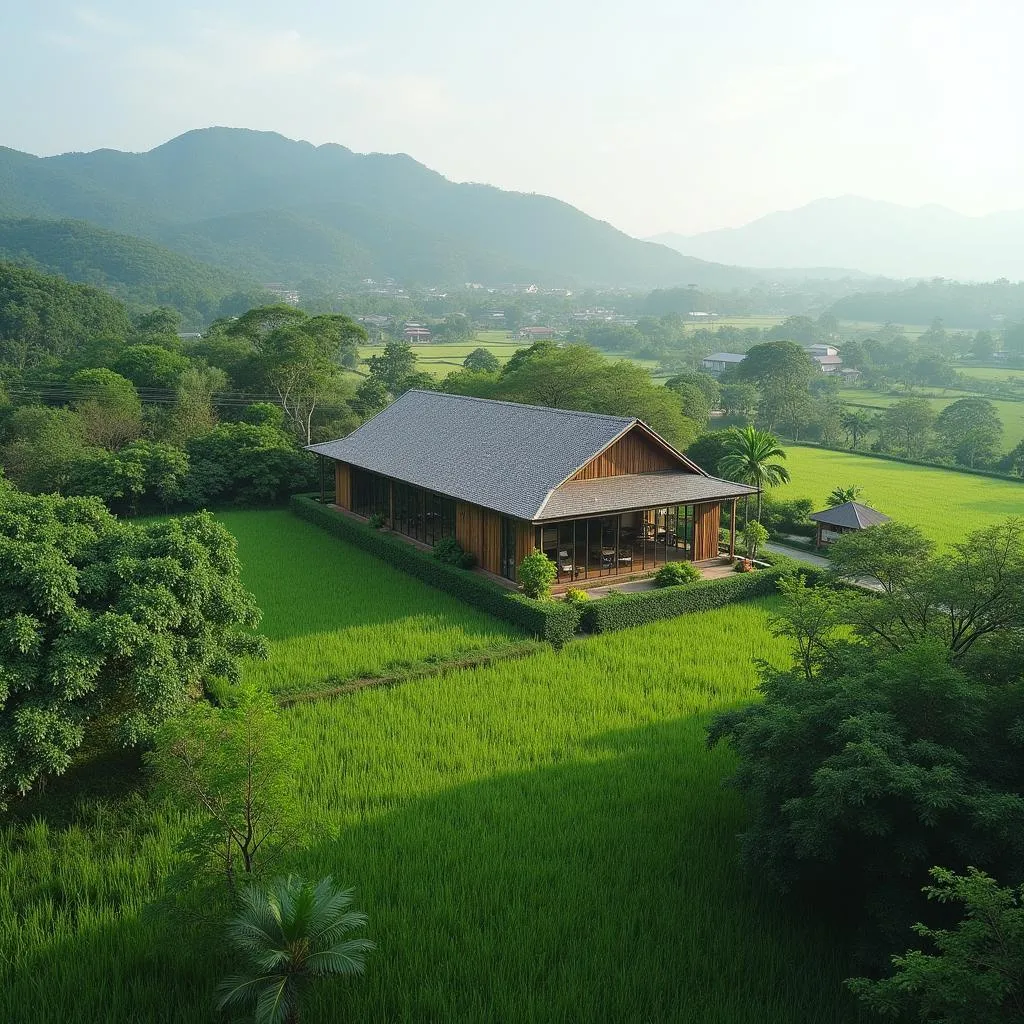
1011	413
1012	374
539	841
332	611
440	360
945	504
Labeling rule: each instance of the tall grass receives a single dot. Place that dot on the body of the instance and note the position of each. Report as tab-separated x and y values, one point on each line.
334	612
542	841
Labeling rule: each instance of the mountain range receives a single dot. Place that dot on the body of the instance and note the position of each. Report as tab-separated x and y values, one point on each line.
271	209
873	236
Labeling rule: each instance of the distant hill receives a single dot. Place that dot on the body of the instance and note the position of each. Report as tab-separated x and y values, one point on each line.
139	272
265	206
876	237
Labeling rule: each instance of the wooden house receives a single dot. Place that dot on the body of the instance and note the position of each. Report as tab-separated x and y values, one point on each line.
599	495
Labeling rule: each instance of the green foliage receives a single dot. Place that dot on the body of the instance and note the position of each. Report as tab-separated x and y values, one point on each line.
288	936
230	769
896	741
45	319
107	627
137	272
108	405
624	611
754	536
554	621
447	550
377	521
42	447
536	574
708	450
907	426
753	457
975	975
776	365
241	465
576	595
971	429
480	360
673	574
151	367
841	495
787	516
142	475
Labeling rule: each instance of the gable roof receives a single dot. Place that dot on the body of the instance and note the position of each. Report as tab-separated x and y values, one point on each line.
501	455
852	515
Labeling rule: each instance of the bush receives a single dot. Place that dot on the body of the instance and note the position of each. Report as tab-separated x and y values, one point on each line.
376	521
674	574
554	621
787	516
576	595
622	611
536	574
447	550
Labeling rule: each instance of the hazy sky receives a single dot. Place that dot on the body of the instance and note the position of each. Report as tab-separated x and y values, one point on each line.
665	115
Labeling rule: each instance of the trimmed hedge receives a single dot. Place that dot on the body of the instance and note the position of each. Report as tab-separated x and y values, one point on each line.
622	611
554	621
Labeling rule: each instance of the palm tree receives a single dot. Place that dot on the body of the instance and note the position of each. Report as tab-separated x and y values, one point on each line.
751	457
289	935
841	495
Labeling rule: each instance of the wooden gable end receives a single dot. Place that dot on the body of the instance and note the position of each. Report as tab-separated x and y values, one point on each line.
637	451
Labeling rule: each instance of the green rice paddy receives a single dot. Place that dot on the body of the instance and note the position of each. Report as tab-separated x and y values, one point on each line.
945	504
333	612
1011	413
546	840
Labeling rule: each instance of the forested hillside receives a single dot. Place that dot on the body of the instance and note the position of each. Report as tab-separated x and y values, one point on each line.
292	210
139	272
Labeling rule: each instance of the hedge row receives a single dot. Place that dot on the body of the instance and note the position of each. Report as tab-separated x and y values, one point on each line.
554	621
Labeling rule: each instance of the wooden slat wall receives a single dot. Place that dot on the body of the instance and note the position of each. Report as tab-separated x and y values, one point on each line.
479	530
635	452
343	485
706	518
525	536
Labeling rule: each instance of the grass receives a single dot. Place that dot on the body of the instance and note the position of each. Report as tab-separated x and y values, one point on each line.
333	612
1011	413
945	504
539	841
1013	374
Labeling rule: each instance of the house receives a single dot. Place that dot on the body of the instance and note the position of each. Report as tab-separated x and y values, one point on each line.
416	333
535	333
849	375
845	518
718	362
828	364
821	350
599	495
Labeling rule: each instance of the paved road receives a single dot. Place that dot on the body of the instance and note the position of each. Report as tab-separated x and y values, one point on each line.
798	553
866	583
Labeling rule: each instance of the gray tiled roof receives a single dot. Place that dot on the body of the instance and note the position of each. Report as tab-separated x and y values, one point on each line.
724	357
501	455
637	490
853	515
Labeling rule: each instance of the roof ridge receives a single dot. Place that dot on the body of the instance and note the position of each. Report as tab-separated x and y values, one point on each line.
520	405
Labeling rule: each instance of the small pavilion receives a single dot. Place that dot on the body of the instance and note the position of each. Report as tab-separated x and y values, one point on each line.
845	518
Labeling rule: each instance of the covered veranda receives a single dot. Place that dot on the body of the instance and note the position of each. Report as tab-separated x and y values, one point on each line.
629	539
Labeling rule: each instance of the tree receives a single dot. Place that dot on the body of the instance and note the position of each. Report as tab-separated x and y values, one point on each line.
693	403
958	598
42	447
289	936
907	425
856	423
703	382
141	472
393	366
151	367
740	400
536	573
971	429
231	766
754	536
780	365
975	974
193	413
481	360
108	627
870	761
841	495
753	457
984	346
108	406
707	451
